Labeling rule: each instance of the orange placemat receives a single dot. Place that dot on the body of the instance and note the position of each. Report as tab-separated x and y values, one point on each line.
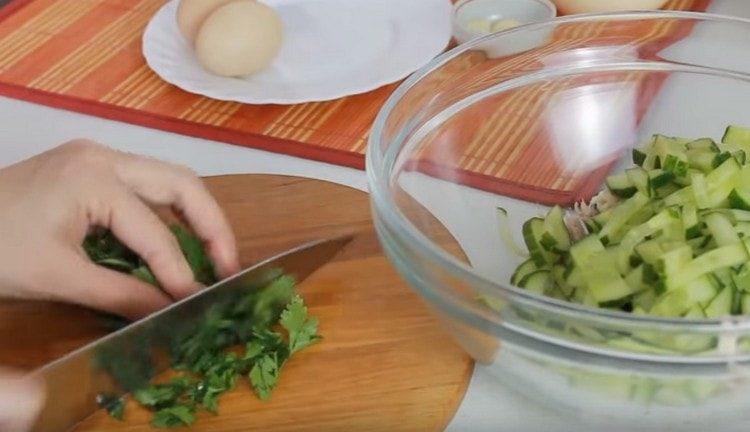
85	55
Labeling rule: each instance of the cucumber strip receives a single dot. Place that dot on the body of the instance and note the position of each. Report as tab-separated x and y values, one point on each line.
676	165
740	215
582	251
637	234
673	261
740	156
639	178
719	158
739	199
671	304
745	304
726	256
634	279
620	185
538	282
721	305
701	159
737	136
622	213
741	279
645	300
690	221
554	225
575	278
505	234
703	144
742	179
604	282
526	267
682	196
638	157
721	229
659	178
559	277
679	302
700	190
649	251
742	229
602	218
723	173
533	230
665	146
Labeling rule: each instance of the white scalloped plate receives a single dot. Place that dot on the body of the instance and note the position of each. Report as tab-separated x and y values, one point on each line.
331	49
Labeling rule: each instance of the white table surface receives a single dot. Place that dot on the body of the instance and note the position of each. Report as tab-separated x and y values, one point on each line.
27	129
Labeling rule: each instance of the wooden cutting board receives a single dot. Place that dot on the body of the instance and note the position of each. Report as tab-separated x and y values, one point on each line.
385	363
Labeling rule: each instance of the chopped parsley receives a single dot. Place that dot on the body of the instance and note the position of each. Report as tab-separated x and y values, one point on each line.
249	337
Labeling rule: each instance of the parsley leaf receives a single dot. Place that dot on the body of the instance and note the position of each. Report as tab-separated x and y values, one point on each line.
264	375
114	405
144	273
192	248
178	415
303	330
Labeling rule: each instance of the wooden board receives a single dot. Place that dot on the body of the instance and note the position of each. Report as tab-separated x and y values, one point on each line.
385	363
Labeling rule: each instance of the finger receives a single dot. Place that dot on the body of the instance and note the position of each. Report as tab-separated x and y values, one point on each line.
110	291
166	184
21	399
142	231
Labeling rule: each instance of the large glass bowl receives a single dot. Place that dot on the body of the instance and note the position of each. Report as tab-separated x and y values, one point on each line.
536	116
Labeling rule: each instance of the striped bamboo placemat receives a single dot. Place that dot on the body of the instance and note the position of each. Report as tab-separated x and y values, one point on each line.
85	55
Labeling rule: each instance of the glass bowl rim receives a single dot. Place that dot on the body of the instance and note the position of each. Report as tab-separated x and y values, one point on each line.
384	202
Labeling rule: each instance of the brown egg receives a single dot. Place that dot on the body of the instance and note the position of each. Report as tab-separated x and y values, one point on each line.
192	13
239	38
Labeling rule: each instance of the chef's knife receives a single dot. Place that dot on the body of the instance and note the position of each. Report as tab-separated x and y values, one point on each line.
126	359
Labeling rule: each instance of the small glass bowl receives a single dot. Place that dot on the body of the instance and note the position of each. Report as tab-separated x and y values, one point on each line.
476	18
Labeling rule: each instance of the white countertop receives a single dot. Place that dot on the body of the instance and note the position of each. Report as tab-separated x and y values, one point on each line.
27	129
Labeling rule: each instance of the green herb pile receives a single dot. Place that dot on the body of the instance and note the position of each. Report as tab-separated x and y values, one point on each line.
251	336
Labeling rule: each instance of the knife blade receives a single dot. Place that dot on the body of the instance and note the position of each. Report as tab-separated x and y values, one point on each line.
122	361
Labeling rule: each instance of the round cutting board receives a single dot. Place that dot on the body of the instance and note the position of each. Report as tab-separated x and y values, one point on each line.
384	364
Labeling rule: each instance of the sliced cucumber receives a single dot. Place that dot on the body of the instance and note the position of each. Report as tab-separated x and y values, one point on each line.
621	185
703	144
721	229
538	281
701	160
690	221
721	305
726	256
639	178
739	199
554	226
737	136
638	157
621	214
533	231
659	178
676	244
582	251
522	270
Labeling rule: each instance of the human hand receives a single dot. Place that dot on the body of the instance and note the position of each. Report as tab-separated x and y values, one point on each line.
21	399
51	201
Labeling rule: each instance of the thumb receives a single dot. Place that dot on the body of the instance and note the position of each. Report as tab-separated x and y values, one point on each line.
21	399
